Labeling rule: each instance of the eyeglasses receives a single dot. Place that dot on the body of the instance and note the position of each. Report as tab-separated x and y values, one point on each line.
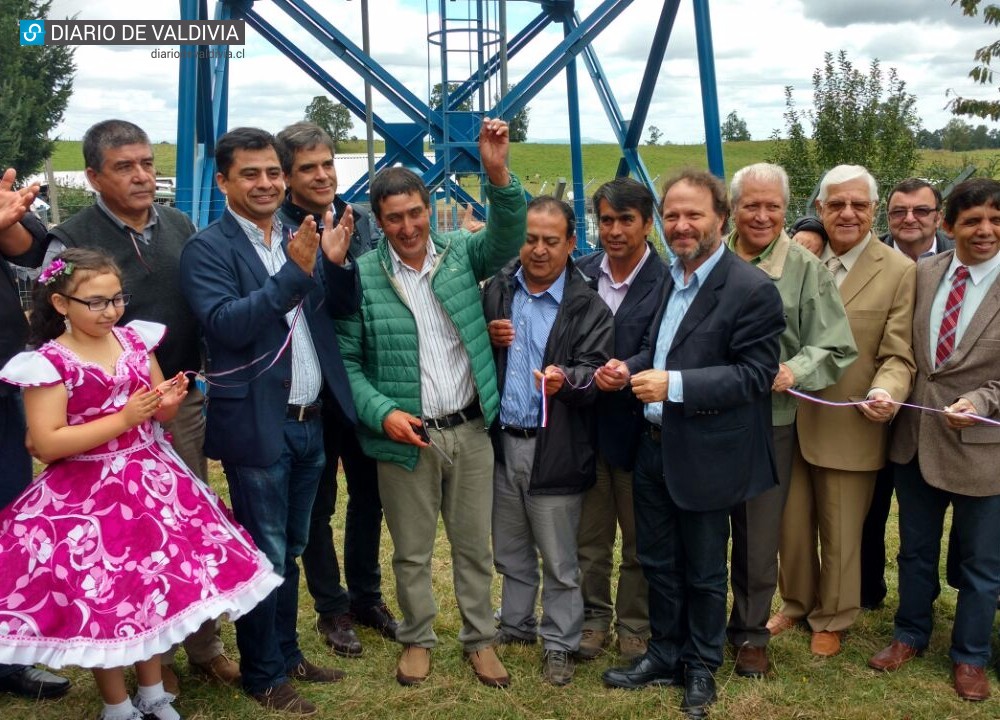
101	304
918	212
838	206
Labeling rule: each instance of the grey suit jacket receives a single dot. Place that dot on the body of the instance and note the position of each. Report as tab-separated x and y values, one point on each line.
959	461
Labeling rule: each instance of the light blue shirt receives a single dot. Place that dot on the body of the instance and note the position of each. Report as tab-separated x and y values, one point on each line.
678	303
981	279
532	316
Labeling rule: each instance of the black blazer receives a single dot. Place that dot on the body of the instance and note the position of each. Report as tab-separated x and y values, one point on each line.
619	414
242	315
718	447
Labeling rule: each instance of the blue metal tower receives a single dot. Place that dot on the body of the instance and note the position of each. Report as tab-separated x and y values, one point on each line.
452	130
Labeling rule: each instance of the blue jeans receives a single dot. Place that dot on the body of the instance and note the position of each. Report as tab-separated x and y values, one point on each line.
976	532
273	504
362	529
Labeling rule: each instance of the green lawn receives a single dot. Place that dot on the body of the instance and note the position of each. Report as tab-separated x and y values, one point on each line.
801	686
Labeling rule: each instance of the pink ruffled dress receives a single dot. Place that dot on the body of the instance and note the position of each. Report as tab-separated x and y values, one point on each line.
114	555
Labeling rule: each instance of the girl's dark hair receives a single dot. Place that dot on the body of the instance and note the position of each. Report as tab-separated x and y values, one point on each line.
47	324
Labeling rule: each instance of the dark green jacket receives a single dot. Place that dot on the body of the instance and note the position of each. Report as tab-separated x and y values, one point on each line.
379	342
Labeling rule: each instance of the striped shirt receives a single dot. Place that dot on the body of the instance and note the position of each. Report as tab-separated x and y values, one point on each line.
307	379
532	316
445	371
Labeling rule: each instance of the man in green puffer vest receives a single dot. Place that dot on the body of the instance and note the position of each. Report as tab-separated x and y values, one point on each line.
424	384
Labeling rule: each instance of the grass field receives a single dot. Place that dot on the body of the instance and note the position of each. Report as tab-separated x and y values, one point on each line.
537	163
801	686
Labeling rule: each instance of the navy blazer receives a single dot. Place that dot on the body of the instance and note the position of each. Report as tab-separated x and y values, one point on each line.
718	447
242	315
619	414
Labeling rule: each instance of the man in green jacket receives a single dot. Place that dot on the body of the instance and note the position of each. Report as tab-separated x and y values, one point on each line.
424	384
816	348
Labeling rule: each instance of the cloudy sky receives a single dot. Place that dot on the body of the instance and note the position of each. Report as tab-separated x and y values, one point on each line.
760	47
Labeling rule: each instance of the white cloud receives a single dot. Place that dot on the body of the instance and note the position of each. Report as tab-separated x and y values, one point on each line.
759	49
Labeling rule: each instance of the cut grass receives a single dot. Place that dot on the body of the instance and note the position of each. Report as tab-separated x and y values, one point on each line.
801	686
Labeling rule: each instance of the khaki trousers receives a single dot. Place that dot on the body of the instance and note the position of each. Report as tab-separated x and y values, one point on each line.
825	510
462	494
606	506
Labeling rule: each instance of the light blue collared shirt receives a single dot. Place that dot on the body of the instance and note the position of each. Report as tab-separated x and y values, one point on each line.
678	303
532	316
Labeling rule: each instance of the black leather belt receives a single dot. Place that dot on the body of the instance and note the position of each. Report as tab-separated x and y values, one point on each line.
303	413
471	412
519	432
655	432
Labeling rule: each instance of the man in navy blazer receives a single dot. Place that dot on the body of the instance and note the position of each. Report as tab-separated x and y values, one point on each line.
629	276
707	445
265	297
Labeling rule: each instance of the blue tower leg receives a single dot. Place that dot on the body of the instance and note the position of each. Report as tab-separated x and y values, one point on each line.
709	93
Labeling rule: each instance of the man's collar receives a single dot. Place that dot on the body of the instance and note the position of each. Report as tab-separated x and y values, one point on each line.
976	272
929	252
677	268
555	290
150	221
851	256
627	282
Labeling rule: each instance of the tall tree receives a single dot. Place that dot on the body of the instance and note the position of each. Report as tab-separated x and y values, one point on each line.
734	128
332	117
982	73
35	86
654	135
859	118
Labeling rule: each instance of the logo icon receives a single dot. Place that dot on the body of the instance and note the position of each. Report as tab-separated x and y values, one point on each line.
32	32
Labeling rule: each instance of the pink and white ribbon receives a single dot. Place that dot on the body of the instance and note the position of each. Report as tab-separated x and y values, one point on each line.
855	403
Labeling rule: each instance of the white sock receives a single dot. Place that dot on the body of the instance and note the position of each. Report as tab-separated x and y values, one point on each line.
154	700
120	711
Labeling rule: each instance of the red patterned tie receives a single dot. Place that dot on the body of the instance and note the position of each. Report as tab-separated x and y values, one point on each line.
952	309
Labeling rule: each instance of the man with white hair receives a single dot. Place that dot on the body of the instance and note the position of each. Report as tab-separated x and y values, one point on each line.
816	349
841	449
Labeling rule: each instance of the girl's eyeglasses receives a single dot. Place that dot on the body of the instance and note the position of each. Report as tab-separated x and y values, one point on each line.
101	304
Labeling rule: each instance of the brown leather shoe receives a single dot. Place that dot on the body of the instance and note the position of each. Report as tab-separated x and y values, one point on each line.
893	657
631	647
170	682
219	669
970	681
414	665
284	698
488	668
752	661
307	672
338	631
825	643
778	623
592	643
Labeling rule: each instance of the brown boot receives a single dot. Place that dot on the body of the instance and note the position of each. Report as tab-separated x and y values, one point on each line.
414	665
488	668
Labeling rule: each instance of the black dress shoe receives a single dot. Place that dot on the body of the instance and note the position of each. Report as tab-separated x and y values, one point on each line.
699	693
378	617
32	682
339	634
642	673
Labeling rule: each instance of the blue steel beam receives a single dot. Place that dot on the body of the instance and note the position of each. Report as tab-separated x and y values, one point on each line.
552	64
187	108
709	93
575	147
492	65
657	50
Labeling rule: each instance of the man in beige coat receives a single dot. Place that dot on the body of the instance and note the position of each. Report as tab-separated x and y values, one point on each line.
950	459
841	449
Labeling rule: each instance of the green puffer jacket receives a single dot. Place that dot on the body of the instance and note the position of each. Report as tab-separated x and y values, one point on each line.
379	342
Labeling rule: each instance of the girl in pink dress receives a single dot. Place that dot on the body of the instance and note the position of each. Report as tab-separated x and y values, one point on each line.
116	551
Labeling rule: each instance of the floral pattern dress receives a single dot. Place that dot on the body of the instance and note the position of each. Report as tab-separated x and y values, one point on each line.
114	555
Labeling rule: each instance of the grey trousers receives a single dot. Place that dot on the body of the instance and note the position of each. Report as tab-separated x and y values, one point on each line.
756	527
188	438
524	527
461	493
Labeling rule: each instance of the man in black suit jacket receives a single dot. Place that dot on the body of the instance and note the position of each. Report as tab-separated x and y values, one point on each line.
711	358
629	276
265	297
914	212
